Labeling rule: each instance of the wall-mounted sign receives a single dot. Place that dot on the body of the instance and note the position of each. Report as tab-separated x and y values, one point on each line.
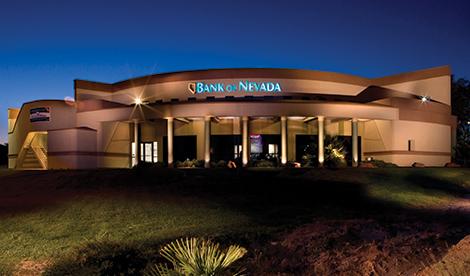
256	143
241	86
40	114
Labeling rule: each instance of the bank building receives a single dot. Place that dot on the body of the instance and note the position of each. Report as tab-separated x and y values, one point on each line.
238	115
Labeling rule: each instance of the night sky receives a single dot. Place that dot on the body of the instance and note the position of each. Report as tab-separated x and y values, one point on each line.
44	45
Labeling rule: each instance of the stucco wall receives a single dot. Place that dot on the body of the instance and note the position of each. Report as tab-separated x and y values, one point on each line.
72	148
62	115
388	140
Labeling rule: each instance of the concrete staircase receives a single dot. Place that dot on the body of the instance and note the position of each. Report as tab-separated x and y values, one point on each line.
30	161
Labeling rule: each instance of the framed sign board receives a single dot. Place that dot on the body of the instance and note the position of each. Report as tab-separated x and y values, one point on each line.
40	114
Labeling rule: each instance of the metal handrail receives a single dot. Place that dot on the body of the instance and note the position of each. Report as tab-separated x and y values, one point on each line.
39	151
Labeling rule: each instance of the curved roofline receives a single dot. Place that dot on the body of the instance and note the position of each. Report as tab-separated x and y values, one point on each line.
31	102
268	73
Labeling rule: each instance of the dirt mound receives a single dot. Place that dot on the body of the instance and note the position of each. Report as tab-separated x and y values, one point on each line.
31	268
455	262
355	247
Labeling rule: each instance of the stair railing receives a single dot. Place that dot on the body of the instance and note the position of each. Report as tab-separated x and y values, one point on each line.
39	150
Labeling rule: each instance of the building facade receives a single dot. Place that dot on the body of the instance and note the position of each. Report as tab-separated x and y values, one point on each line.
240	115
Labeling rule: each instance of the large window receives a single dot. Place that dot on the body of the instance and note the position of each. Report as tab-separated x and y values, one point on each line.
148	152
273	149
237	151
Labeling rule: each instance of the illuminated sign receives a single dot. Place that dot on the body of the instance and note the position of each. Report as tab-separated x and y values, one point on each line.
241	86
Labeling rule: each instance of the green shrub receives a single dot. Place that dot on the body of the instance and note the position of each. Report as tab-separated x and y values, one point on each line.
336	162
381	164
148	165
193	256
263	164
190	163
335	153
221	164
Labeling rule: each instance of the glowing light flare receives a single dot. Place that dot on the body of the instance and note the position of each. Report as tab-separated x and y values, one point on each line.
425	99
138	101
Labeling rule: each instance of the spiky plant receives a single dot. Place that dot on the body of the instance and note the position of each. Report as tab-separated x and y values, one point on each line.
193	256
335	152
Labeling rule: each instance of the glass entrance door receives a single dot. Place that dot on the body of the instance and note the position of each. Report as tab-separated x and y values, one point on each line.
148	152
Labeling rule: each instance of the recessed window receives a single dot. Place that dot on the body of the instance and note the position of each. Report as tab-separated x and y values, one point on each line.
273	149
155	152
411	145
237	151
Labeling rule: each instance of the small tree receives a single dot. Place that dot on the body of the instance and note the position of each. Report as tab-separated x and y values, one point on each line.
3	154
462	147
461	108
335	153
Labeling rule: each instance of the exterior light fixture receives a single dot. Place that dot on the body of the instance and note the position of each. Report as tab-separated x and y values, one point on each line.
425	99
137	101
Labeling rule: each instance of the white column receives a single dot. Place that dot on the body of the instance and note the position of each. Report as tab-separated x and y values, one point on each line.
170	141
207	141
321	138
136	143
245	141
355	158
284	140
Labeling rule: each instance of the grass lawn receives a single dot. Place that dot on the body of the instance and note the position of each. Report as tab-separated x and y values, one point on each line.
46	215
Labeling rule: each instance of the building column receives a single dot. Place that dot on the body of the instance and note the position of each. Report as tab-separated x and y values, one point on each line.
207	142
170	141
321	138
245	141
354	131
283	140
136	143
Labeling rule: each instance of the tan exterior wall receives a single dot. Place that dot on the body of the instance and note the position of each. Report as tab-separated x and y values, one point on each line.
179	90
62	115
72	149
437	88
116	146
388	140
226	127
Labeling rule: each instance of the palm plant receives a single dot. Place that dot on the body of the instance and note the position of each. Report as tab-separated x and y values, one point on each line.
335	152
193	256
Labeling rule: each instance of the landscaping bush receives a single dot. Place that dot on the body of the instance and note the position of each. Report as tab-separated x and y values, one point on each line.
3	154
221	164
381	164
190	163
336	163
308	160
335	153
263	164
197	257
149	165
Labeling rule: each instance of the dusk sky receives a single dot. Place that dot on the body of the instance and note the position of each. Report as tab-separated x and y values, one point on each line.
45	45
